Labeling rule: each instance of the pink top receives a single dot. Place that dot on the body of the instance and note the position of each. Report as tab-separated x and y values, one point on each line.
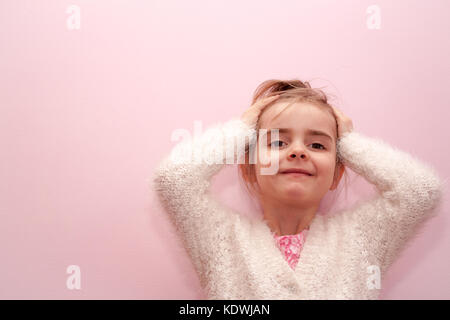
291	246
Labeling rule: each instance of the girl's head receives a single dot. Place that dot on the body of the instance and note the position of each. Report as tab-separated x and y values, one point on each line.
307	138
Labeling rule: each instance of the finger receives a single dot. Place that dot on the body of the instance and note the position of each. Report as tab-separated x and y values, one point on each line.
339	112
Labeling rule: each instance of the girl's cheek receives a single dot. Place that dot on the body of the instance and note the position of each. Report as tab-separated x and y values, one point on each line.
271	164
267	157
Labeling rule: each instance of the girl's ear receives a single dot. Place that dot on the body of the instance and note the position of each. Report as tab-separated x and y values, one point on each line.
340	168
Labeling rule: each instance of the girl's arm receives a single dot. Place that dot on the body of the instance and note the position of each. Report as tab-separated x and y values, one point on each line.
408	192
204	224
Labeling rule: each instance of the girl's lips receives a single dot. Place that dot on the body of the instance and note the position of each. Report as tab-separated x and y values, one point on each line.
296	174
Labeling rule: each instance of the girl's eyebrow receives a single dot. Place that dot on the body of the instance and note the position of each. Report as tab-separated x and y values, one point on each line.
312	132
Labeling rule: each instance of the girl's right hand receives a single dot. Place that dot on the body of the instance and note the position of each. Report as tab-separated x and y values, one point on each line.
251	115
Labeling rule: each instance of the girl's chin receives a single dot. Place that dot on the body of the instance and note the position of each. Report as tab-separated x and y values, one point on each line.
293	192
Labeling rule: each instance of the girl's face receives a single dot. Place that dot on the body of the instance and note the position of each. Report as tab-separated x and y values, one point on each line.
296	137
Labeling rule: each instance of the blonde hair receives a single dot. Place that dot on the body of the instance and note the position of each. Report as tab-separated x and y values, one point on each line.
294	91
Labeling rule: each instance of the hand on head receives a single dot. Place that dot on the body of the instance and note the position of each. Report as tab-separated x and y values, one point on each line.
344	123
251	115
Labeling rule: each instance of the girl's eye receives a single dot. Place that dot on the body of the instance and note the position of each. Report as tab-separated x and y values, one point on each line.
319	145
276	142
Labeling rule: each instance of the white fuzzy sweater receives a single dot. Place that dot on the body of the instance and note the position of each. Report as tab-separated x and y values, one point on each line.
236	257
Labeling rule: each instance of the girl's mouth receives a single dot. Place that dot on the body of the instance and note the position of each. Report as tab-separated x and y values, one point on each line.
296	174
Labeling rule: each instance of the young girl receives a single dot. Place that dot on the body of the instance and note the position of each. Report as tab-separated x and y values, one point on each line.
291	252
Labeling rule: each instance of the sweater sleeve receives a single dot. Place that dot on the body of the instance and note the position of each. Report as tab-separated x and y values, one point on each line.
408	192
182	183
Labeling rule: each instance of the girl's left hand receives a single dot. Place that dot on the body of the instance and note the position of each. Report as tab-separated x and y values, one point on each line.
344	123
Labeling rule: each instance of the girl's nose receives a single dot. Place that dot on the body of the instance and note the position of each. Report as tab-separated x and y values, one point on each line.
297	153
302	155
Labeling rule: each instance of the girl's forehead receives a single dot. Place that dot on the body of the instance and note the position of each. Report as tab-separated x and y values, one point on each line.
285	114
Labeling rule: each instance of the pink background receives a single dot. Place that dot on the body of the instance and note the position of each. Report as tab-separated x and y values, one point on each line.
86	114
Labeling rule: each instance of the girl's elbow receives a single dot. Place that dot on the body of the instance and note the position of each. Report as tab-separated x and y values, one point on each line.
424	195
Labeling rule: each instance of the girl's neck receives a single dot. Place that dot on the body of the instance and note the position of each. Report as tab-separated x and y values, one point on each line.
287	219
